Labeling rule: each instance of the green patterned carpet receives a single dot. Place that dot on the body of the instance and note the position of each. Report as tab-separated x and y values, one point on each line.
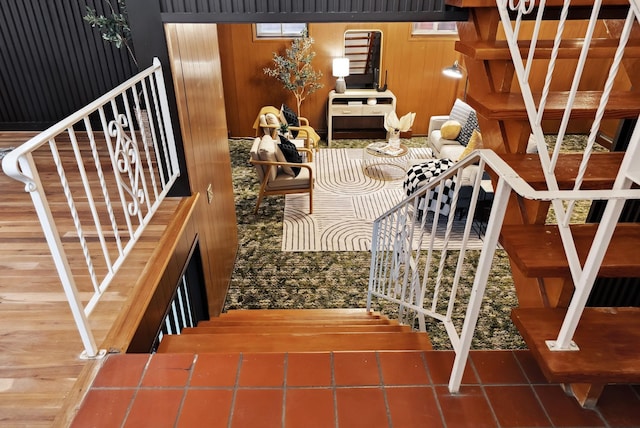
265	277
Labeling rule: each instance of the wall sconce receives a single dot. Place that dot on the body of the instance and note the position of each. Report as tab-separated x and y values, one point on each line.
340	70
455	72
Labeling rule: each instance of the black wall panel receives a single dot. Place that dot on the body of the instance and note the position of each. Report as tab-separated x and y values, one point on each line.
53	62
309	11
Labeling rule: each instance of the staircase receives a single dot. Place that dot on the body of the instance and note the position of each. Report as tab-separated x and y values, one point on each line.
553	265
296	330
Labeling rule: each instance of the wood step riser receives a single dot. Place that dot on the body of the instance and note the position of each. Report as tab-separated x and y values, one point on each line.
510	105
199	343
608	339
320	322
569	49
600	173
537	250
305	314
295	329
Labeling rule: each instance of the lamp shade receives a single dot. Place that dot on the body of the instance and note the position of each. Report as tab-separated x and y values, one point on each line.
340	67
454	71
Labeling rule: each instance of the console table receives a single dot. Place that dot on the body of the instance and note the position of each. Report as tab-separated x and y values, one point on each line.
350	116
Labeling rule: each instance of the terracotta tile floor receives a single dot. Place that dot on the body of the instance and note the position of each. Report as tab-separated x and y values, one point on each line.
340	389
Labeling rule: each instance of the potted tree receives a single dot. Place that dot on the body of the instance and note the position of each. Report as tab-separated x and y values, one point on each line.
114	27
294	70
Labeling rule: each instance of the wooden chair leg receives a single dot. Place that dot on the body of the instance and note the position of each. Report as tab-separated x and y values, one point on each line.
255	211
260	195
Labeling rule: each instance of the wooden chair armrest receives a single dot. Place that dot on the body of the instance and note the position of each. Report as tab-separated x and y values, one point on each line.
303	121
307	151
307	165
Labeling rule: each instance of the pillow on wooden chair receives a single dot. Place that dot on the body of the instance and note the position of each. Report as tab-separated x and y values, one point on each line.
290	117
287	152
267	152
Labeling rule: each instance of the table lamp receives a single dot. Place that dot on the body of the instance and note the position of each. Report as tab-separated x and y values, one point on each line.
340	70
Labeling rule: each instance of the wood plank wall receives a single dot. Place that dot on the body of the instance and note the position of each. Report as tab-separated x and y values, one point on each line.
414	67
195	63
414	64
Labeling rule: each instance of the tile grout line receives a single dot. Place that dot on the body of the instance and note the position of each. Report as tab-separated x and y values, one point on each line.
284	389
484	392
235	390
186	389
333	387
533	390
425	366
381	385
136	389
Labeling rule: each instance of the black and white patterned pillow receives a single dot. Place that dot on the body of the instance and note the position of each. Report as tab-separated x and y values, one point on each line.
290	117
467	130
291	154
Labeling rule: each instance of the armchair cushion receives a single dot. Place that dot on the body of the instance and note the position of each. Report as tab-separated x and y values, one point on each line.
290	117
288	152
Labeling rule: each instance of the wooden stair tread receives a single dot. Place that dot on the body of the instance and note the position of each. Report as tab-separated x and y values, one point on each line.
499	49
537	249
510	105
263	314
299	342
608	339
293	321
294	328
600	173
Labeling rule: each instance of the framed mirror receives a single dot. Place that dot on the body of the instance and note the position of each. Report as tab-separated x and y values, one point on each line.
364	50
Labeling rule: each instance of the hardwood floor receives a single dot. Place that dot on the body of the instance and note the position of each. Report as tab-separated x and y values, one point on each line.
41	374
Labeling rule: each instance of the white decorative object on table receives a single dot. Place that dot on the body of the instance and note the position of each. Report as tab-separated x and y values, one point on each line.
395	126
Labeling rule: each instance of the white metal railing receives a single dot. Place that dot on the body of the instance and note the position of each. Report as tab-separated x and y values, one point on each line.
96	178
583	276
408	269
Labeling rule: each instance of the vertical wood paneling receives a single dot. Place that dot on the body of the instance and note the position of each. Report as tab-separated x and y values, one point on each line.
54	63
196	68
414	68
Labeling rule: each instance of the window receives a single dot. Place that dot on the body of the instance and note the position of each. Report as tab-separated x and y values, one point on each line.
434	28
280	30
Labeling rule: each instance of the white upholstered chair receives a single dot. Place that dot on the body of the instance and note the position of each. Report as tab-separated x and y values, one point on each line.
276	175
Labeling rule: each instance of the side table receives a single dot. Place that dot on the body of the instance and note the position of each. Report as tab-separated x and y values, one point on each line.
381	162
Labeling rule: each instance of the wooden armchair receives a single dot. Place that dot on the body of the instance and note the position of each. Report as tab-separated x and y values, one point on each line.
270	120
274	171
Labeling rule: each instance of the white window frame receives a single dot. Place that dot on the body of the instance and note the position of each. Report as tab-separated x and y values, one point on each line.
286	30
441	28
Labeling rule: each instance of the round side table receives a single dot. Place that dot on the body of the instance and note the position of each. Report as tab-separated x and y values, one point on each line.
382	162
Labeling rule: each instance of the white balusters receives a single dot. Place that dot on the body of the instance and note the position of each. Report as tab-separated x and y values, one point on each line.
111	180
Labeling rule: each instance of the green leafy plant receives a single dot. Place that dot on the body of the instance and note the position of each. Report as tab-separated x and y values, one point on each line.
294	69
114	27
